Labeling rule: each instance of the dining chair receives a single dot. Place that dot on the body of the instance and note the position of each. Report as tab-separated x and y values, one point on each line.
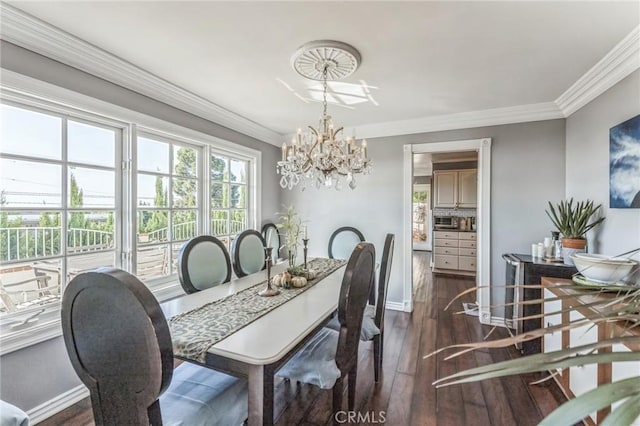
10	415
248	254
203	262
380	304
373	319
332	355
342	242
119	344
272	239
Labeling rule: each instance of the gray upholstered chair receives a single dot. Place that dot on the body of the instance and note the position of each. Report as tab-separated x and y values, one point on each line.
119	344
248	253
331	356
373	320
271	238
10	415
203	262
343	241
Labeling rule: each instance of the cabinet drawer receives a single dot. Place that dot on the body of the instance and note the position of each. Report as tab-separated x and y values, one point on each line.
445	262
452	251
468	252
468	244
450	235
467	263
446	243
467	236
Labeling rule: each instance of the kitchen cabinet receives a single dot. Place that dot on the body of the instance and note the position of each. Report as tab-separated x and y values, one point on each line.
468	188
455	252
577	304
455	188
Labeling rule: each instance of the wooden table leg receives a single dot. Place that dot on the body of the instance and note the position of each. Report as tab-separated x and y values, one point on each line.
260	395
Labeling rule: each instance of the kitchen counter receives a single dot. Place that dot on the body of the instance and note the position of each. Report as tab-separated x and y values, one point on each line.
452	230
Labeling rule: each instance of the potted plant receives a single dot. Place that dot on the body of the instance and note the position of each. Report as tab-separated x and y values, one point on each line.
290	224
573	223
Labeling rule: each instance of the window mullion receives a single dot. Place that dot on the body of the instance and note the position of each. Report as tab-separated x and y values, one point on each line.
65	204
127	213
205	190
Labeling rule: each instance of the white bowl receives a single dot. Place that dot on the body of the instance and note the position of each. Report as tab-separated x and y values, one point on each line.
602	257
603	270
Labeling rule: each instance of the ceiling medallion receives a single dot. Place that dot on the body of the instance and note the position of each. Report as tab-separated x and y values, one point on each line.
322	156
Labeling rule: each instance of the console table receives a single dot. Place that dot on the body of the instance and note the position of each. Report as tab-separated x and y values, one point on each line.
574	306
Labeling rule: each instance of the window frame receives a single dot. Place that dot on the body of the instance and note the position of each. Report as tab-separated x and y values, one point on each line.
229	157
35	94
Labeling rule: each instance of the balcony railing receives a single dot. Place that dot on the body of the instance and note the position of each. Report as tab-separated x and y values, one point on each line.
21	243
187	230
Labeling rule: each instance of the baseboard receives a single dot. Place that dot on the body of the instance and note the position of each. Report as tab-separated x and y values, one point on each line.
395	306
57	404
500	322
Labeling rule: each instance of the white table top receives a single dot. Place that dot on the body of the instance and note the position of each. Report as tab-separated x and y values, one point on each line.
273	335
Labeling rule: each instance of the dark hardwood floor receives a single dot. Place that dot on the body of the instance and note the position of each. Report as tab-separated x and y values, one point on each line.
405	395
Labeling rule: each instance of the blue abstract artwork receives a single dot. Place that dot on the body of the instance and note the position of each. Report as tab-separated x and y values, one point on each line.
624	164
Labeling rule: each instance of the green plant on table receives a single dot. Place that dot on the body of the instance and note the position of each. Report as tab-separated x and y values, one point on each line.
291	225
573	220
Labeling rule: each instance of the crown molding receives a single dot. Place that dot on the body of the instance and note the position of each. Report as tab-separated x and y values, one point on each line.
621	61
33	34
463	120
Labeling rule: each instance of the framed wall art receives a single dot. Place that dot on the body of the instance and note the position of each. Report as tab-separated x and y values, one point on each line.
624	164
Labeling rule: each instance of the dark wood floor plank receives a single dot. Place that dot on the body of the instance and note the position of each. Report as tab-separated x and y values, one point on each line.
411	344
450	406
405	392
400	403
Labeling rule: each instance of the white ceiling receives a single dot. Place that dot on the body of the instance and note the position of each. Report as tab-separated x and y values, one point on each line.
419	59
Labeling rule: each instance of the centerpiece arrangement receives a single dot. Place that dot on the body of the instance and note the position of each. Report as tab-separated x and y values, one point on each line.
296	275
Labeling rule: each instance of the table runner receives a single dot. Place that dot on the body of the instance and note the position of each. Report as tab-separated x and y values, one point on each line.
194	332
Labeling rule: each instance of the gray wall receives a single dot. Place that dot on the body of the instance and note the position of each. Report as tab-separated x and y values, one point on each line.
527	170
587	171
34	375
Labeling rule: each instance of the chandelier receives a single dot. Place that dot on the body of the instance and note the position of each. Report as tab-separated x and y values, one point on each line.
322	156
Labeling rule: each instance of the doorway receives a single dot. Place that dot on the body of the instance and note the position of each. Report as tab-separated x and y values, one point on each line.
481	148
421	215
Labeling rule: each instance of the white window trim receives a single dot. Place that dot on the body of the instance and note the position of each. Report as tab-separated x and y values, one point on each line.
30	91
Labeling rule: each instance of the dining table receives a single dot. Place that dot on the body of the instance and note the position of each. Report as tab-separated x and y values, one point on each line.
257	349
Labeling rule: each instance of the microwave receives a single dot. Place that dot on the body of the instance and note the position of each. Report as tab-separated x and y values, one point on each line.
445	222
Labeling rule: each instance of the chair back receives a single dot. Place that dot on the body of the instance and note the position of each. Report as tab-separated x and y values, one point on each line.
119	344
343	241
354	292
203	262
248	253
272	239
383	280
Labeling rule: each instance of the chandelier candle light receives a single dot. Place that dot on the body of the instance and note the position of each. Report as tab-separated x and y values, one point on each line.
322	155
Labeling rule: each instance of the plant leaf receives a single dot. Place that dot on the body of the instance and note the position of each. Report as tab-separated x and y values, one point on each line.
578	408
625	414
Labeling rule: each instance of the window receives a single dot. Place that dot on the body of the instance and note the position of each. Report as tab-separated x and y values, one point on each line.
79	190
168	185
59	209
229	203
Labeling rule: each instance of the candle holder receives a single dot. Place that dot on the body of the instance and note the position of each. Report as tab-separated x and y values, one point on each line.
268	291
305	241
